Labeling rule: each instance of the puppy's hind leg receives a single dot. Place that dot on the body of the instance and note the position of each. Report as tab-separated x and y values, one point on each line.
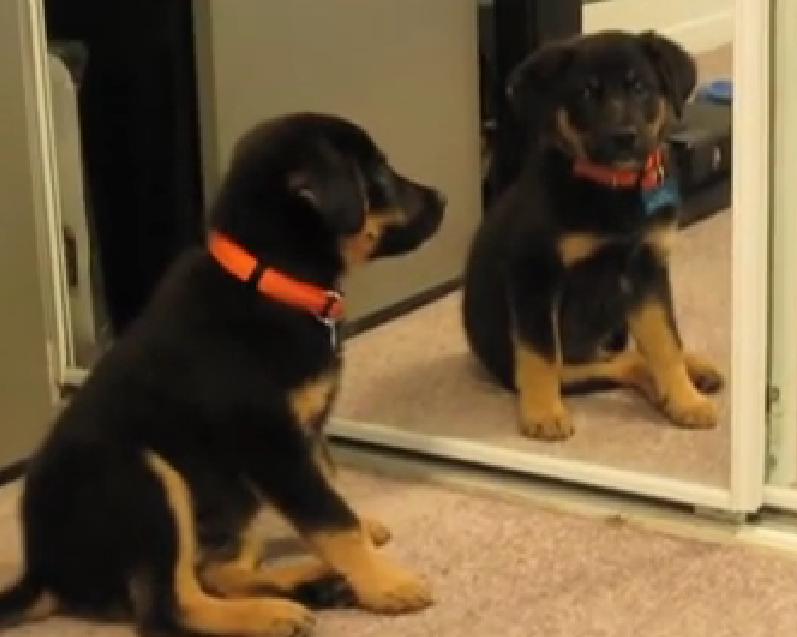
167	594
626	369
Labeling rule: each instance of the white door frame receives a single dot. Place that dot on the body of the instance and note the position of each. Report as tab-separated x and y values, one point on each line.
750	262
749	321
782	440
43	164
750	267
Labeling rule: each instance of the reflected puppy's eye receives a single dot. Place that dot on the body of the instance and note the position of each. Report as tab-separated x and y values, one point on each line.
634	84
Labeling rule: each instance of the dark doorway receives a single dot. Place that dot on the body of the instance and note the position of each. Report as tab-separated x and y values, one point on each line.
509	31
139	130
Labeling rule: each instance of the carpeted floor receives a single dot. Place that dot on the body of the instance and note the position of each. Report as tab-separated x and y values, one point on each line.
503	569
415	372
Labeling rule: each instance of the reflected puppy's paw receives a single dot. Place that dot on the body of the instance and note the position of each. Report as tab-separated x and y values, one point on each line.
550	424
705	376
696	411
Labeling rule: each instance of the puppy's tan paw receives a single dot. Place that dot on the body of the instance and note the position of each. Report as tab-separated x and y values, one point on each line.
705	376
281	618
550	424
378	532
389	589
696	411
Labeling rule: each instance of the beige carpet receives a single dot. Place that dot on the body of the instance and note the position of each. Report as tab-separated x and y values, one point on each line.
504	569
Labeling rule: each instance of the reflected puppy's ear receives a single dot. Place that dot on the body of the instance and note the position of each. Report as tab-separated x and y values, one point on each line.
532	80
332	185
674	66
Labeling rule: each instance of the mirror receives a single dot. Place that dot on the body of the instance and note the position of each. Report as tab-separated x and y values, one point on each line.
417	374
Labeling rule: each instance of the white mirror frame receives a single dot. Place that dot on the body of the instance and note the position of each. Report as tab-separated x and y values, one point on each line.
782	440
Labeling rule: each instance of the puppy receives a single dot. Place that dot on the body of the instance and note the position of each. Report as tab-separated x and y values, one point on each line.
145	498
575	253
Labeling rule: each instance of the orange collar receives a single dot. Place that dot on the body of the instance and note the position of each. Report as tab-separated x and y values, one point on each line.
648	178
325	305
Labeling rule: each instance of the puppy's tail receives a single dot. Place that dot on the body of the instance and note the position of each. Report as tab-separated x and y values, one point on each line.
26	600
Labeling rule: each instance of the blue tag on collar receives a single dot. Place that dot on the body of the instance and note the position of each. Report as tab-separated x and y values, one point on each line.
664	196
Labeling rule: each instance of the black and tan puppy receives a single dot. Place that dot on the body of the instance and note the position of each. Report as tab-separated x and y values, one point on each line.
575	254
145	497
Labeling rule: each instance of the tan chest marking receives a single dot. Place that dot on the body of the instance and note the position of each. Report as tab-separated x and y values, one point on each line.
663	115
577	246
310	402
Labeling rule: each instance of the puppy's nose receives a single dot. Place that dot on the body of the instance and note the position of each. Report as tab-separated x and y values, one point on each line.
624	138
441	199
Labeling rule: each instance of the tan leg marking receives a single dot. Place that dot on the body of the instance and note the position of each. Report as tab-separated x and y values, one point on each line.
233	579
245	576
577	246
542	412
253	540
201	612
310	401
378	583
627	368
676	394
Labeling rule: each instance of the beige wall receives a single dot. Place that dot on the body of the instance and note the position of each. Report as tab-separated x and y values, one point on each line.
25	392
405	69
699	26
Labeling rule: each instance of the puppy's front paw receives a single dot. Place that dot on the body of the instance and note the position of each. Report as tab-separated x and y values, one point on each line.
705	376
391	590
695	410
546	424
281	618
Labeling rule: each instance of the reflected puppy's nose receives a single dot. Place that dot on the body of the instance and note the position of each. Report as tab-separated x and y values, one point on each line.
624	138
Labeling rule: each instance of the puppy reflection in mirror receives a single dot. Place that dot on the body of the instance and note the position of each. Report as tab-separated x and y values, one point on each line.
574	256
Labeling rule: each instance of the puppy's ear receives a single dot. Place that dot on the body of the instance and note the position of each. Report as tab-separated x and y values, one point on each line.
533	78
674	66
332	185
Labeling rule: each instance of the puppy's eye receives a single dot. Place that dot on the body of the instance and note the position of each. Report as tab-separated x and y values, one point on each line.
384	180
382	187
635	85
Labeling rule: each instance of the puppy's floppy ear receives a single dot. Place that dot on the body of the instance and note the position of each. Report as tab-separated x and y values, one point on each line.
674	66
333	186
533	78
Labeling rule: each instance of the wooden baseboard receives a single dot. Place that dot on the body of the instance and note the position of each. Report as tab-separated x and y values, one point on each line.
404	306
